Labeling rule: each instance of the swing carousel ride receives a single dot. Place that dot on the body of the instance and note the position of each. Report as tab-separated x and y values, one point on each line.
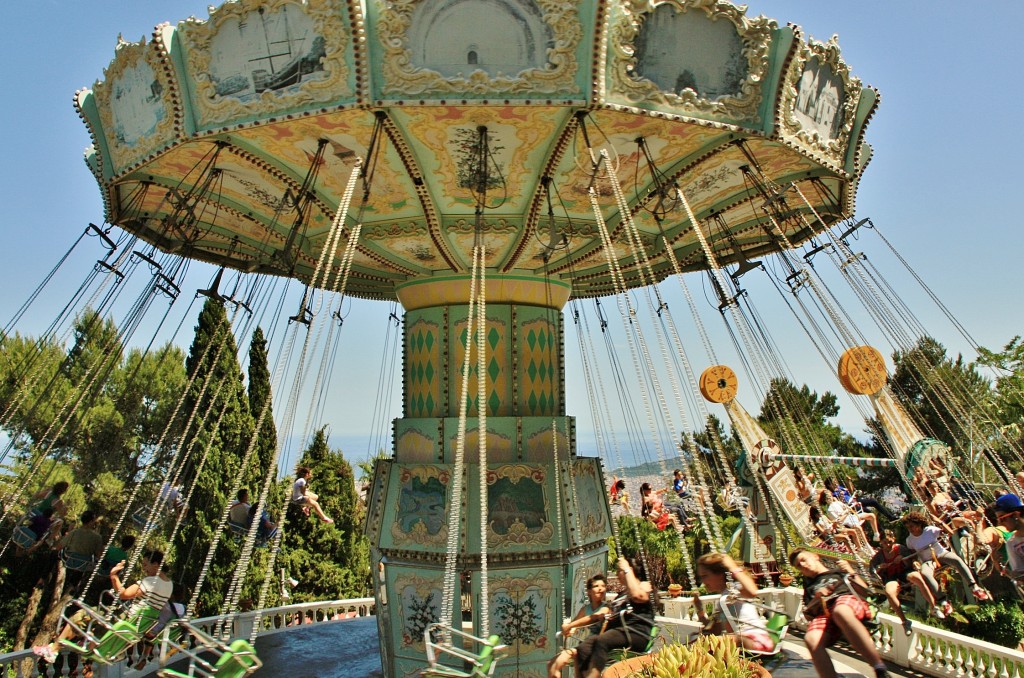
484	163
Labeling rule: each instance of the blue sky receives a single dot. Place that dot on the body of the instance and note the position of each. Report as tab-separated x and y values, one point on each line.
942	186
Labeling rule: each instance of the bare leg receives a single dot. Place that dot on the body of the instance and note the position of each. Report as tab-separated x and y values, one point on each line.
892	594
918	580
855	634
315	505
871	519
819	653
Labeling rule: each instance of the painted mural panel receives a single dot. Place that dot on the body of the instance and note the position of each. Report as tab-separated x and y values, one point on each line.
820	99
517	507
688	51
261	51
136	103
522	610
516	47
420	516
508	37
590	501
419	598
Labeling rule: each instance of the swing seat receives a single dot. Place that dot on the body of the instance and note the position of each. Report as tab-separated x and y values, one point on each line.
118	638
236	661
24	537
140	518
79	562
240	531
776	625
621	653
482	664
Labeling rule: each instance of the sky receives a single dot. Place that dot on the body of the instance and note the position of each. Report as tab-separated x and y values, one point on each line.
942	184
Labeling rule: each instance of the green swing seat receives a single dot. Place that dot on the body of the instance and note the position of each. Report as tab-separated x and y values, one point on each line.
480	665
117	638
776	624
234	659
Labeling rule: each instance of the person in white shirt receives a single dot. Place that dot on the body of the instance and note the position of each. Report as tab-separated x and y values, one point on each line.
924	540
238	514
304	498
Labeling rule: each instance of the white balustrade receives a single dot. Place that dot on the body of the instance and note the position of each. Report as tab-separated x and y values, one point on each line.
928	650
272	620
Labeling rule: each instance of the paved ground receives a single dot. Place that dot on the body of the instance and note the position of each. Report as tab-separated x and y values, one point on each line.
348	649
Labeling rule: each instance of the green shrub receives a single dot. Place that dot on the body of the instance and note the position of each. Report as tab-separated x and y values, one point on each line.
1001	622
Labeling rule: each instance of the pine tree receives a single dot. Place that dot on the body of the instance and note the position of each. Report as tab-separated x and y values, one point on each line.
213	354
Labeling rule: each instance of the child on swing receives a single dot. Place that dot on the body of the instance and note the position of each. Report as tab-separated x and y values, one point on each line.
591	615
834	610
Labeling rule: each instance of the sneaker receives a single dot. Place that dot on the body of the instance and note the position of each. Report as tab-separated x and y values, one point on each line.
907	623
947	607
981	594
937	611
45	652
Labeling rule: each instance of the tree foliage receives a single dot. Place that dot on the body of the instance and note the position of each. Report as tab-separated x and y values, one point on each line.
330	561
215	441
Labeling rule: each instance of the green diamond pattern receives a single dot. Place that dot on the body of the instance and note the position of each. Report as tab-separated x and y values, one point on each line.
429	373
544	402
542	339
429	341
531	339
543	371
494	401
493	369
531	370
463	337
419	404
493	338
419	341
429	404
419	372
532	402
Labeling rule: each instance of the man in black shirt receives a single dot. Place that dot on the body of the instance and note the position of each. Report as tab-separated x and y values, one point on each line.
833	609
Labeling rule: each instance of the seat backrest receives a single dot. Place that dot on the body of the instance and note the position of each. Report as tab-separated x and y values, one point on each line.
116	641
487	654
25	537
238	661
776	626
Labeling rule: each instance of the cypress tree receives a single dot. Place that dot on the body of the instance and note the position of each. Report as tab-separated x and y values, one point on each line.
213	353
330	561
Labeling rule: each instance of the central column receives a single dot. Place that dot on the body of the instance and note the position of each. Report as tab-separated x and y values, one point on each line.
547	525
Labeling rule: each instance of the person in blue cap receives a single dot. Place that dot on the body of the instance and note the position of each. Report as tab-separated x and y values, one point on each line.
1009	512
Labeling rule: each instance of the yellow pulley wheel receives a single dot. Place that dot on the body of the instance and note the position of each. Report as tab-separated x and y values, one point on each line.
718	384
862	370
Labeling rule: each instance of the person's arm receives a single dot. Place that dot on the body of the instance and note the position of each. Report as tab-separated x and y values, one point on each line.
582	619
639	591
122	592
854	578
748	587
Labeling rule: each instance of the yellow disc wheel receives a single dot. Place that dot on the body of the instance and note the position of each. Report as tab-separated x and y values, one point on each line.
862	370
718	384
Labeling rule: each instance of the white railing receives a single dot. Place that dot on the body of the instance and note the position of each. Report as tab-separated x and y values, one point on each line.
928	650
272	620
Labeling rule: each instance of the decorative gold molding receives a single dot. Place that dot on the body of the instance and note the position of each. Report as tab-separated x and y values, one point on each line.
198	35
831	151
403	77
755	34
127	56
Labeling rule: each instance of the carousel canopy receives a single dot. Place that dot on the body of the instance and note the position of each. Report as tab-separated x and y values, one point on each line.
231	139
